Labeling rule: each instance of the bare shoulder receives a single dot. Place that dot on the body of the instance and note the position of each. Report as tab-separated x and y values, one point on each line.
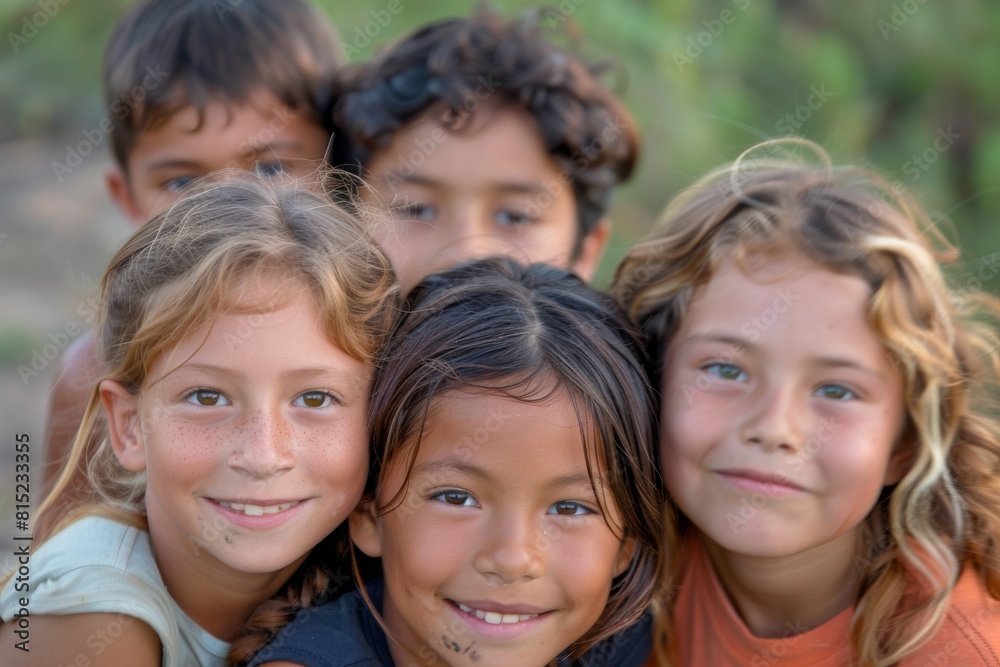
110	640
79	361
76	373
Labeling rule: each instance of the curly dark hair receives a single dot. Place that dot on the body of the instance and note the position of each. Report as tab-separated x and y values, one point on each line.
447	66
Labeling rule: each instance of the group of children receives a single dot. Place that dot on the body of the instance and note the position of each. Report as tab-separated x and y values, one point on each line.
388	423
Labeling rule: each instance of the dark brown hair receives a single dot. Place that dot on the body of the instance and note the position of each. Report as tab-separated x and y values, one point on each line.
525	332
496	326
451	65
164	55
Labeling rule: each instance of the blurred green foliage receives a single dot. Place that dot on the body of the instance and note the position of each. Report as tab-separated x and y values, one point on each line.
909	86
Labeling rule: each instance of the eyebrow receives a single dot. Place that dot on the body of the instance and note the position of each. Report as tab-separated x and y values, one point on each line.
738	341
305	373
512	187
274	147
173	163
714	337
577	479
251	152
446	465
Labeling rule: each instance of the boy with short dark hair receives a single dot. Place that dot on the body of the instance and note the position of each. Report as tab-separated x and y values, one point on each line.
192	86
491	140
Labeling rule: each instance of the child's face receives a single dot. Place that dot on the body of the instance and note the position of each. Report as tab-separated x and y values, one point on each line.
488	188
252	436
165	159
498	554
781	409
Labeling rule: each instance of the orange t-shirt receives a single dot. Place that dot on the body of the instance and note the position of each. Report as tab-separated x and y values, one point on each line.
711	633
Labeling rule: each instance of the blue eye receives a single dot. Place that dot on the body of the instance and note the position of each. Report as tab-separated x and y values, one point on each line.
457	498
207	398
569	508
315	399
514	219
179	183
836	392
268	168
726	371
419	212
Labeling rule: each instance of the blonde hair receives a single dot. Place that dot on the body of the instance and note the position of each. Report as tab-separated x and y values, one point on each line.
186	266
945	512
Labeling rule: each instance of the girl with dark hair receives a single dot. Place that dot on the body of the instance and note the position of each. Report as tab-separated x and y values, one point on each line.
512	499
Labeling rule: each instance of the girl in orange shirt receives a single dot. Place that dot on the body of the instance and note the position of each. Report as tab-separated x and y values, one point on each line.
829	433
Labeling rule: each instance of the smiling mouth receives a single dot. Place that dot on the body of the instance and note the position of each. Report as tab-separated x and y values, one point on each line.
257	510
495	617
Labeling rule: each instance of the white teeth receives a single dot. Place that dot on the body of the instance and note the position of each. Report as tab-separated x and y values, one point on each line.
494	617
258	510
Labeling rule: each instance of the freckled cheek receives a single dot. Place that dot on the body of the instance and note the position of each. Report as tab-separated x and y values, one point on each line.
341	451
180	449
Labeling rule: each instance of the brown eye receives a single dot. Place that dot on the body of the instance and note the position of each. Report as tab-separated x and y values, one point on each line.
207	398
567	508
314	399
456	497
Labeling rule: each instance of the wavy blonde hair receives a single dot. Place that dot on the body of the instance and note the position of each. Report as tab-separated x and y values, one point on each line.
945	512
189	264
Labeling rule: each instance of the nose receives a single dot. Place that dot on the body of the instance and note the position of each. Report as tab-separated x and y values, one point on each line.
472	235
263	448
774	419
512	548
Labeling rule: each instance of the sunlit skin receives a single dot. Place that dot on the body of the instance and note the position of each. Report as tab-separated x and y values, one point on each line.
781	418
486	188
258	408
263	133
500	516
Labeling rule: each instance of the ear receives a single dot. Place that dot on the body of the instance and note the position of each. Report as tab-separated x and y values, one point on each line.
121	194
592	249
899	464
625	553
124	430
364	528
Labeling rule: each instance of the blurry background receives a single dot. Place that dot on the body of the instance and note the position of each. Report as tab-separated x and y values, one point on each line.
911	87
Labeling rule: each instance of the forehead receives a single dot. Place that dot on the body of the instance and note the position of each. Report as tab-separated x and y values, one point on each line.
227	130
451	149
786	301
